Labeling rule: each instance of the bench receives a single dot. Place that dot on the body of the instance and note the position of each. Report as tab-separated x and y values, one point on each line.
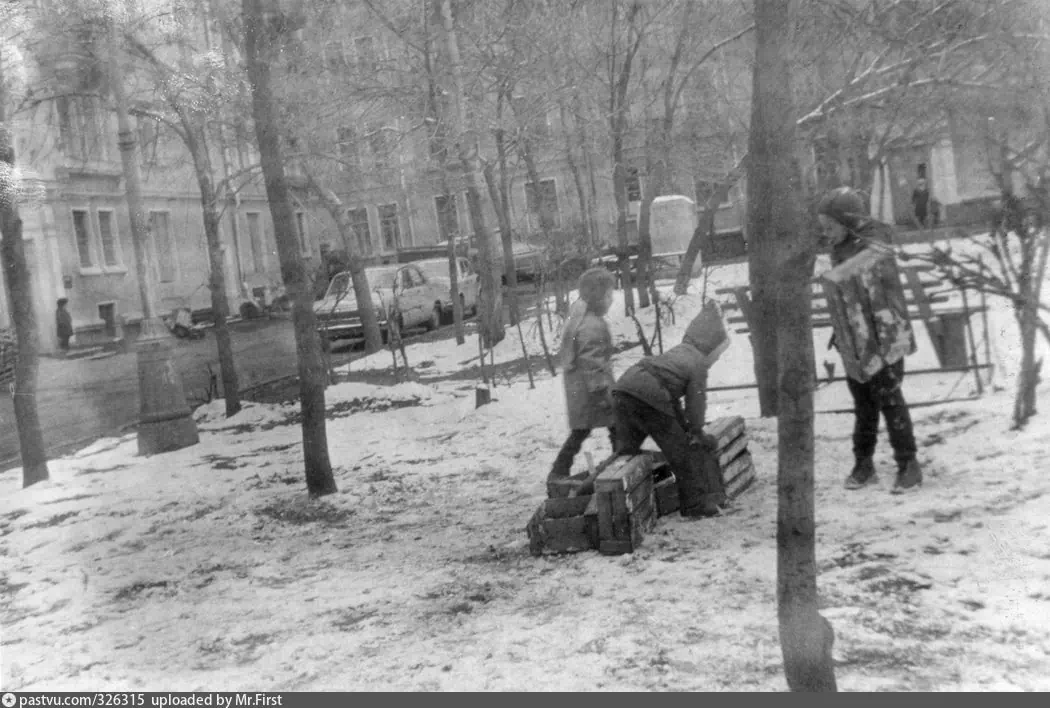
923	291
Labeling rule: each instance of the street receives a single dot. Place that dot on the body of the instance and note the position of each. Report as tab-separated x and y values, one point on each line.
80	400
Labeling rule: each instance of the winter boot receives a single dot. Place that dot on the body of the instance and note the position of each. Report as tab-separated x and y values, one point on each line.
909	478
862	475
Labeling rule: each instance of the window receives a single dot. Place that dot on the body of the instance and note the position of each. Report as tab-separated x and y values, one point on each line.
633	185
448	216
300	229
294	167
82	232
147	138
167	258
107	232
547	205
365	51
705	189
382	147
346	137
255	243
80	128
334	59
362	232
389	227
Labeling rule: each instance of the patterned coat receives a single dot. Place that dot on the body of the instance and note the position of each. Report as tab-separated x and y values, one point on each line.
586	356
873	330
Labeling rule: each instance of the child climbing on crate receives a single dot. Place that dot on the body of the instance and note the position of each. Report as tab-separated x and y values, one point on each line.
647	401
586	358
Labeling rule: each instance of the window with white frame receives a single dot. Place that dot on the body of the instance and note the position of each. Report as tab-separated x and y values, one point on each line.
389	227
82	234
108	238
545	202
380	140
164	246
255	241
362	232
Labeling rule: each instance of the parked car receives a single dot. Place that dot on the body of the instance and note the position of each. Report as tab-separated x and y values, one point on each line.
403	293
466	278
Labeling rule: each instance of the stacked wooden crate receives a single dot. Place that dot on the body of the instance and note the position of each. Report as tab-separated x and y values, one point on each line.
629	493
738	471
626	507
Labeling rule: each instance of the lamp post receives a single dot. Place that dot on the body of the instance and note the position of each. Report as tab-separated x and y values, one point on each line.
165	420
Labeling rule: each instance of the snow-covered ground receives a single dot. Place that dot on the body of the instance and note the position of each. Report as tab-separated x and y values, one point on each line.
209	568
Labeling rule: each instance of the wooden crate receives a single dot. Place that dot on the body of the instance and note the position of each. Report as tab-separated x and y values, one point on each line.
738	471
665	495
626	507
739	475
564	526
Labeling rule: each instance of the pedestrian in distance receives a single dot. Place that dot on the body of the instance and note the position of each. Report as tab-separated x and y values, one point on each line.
63	325
648	402
920	200
586	358
848	231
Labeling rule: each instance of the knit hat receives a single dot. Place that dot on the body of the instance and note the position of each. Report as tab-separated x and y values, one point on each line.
594	284
707	332
844	205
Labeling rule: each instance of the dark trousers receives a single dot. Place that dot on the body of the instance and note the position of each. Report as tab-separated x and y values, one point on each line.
882	393
563	462
697	471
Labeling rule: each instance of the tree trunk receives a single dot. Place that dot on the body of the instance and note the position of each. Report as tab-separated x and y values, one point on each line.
356	265
20	296
784	253
259	40
622	246
553	269
499	193
491	296
220	304
506	241
27	365
577	179
453	270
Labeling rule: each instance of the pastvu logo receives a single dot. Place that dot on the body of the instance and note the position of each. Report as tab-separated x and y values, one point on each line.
8	700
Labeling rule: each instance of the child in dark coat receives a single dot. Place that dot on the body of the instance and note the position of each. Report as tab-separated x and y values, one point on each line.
646	401
848	231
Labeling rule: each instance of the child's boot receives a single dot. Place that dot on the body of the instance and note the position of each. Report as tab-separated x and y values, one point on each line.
862	475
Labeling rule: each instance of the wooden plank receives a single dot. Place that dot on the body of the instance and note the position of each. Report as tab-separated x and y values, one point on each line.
625	472
562	534
736	467
641	497
726	429
730	452
918	294
741	484
605	516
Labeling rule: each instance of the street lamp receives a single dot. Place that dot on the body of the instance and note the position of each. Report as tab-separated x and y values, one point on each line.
165	419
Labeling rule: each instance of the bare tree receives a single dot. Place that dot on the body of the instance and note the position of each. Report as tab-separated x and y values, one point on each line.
491	314
774	222
263	31
189	109
19	292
